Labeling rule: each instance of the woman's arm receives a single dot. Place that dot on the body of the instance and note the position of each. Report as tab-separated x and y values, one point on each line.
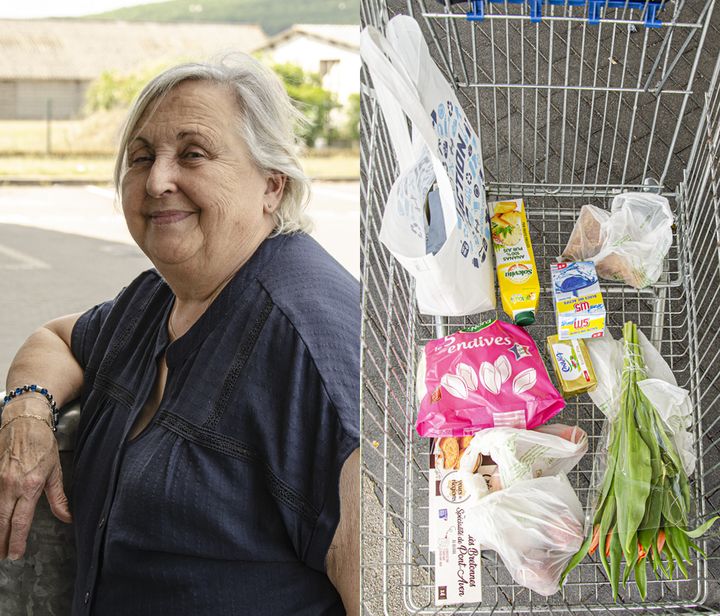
343	559
29	459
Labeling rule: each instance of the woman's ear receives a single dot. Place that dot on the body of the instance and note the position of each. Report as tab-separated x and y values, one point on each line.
274	189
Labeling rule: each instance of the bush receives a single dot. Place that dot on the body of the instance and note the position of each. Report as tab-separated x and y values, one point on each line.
312	100
114	90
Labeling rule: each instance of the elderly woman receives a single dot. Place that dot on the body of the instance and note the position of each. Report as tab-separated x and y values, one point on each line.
216	462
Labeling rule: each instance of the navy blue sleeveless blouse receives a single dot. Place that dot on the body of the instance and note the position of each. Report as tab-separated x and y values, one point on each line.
228	501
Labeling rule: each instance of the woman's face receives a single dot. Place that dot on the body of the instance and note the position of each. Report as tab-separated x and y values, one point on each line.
191	196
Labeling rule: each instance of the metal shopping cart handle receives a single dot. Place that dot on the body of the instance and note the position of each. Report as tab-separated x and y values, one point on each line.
67	425
594	13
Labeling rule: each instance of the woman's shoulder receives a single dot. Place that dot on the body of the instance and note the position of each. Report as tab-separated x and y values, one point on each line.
320	301
306	281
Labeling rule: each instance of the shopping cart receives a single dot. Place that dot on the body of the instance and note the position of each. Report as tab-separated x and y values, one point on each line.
574	102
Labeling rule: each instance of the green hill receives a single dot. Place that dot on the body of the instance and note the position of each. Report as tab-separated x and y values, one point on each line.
272	15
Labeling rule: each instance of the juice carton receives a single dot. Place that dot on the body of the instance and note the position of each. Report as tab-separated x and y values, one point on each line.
515	261
579	304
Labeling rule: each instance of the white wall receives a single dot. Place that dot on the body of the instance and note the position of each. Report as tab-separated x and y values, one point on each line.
343	79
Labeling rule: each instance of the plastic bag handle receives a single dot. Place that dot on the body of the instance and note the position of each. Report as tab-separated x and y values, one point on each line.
397	96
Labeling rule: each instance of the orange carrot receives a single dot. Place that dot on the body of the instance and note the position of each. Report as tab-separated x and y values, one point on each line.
607	542
595	539
660	541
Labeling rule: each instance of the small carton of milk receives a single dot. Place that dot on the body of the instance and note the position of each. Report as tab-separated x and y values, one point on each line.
456	549
579	306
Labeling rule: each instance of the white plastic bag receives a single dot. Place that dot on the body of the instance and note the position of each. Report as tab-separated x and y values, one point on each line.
629	243
524	454
534	521
457	278
536	527
671	402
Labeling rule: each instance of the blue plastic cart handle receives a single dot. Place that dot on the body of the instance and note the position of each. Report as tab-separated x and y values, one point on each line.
595	7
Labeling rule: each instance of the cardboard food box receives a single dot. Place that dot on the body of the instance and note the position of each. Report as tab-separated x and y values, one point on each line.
457	551
579	306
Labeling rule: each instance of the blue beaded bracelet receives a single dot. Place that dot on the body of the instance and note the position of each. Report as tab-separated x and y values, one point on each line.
19	391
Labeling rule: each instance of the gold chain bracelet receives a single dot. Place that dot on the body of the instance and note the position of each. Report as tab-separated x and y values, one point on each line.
45	420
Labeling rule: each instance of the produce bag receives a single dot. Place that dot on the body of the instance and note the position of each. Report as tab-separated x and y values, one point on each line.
458	276
531	517
490	375
671	402
642	505
535	526
629	243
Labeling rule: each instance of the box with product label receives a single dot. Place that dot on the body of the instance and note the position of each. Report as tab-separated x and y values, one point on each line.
572	364
579	306
457	551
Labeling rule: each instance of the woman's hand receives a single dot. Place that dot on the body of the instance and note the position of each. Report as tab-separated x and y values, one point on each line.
29	458
29	465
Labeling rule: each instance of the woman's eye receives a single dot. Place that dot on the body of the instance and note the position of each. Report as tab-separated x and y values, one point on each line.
193	154
139	159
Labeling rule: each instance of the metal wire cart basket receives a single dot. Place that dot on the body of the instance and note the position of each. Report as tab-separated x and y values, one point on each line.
574	101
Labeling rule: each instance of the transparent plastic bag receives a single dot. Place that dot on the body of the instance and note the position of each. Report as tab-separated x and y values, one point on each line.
627	244
535	526
532	517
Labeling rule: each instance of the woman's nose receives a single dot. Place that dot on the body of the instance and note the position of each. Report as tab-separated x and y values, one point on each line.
161	180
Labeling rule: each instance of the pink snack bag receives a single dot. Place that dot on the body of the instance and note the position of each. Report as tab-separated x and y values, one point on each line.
484	377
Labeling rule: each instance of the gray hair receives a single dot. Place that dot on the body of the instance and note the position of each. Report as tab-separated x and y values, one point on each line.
267	122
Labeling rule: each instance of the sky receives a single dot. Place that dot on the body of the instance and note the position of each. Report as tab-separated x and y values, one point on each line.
26	9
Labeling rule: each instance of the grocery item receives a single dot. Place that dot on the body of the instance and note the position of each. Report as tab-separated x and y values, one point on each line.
573	368
642	509
490	375
451	260
455	547
515	261
627	244
532	517
579	306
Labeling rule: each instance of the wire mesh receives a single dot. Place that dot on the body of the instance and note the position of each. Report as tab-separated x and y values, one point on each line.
580	146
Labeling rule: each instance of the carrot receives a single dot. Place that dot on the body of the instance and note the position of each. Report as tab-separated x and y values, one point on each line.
607	542
595	539
660	541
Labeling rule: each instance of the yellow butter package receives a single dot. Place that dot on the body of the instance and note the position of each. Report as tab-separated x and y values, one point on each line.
572	364
514	260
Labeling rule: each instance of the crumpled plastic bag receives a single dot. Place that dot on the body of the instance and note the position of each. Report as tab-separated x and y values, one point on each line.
525	454
535	520
661	389
535	526
627	244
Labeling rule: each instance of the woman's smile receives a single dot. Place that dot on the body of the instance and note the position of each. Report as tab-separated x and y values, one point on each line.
168	217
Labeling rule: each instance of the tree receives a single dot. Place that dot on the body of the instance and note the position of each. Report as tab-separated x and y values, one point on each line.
114	90
312	99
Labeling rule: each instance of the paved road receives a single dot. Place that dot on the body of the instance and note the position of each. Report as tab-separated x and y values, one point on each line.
64	249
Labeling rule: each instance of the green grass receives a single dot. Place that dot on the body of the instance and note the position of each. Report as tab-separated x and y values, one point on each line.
344	164
95	134
85	149
272	15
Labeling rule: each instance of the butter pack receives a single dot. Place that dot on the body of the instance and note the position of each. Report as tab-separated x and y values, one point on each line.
572	365
579	307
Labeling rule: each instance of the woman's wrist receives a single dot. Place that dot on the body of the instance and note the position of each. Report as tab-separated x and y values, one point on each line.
30	403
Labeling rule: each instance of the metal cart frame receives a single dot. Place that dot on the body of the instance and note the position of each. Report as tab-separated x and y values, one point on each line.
569	112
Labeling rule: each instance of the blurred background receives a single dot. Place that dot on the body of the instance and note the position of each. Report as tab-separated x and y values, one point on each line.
68	73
